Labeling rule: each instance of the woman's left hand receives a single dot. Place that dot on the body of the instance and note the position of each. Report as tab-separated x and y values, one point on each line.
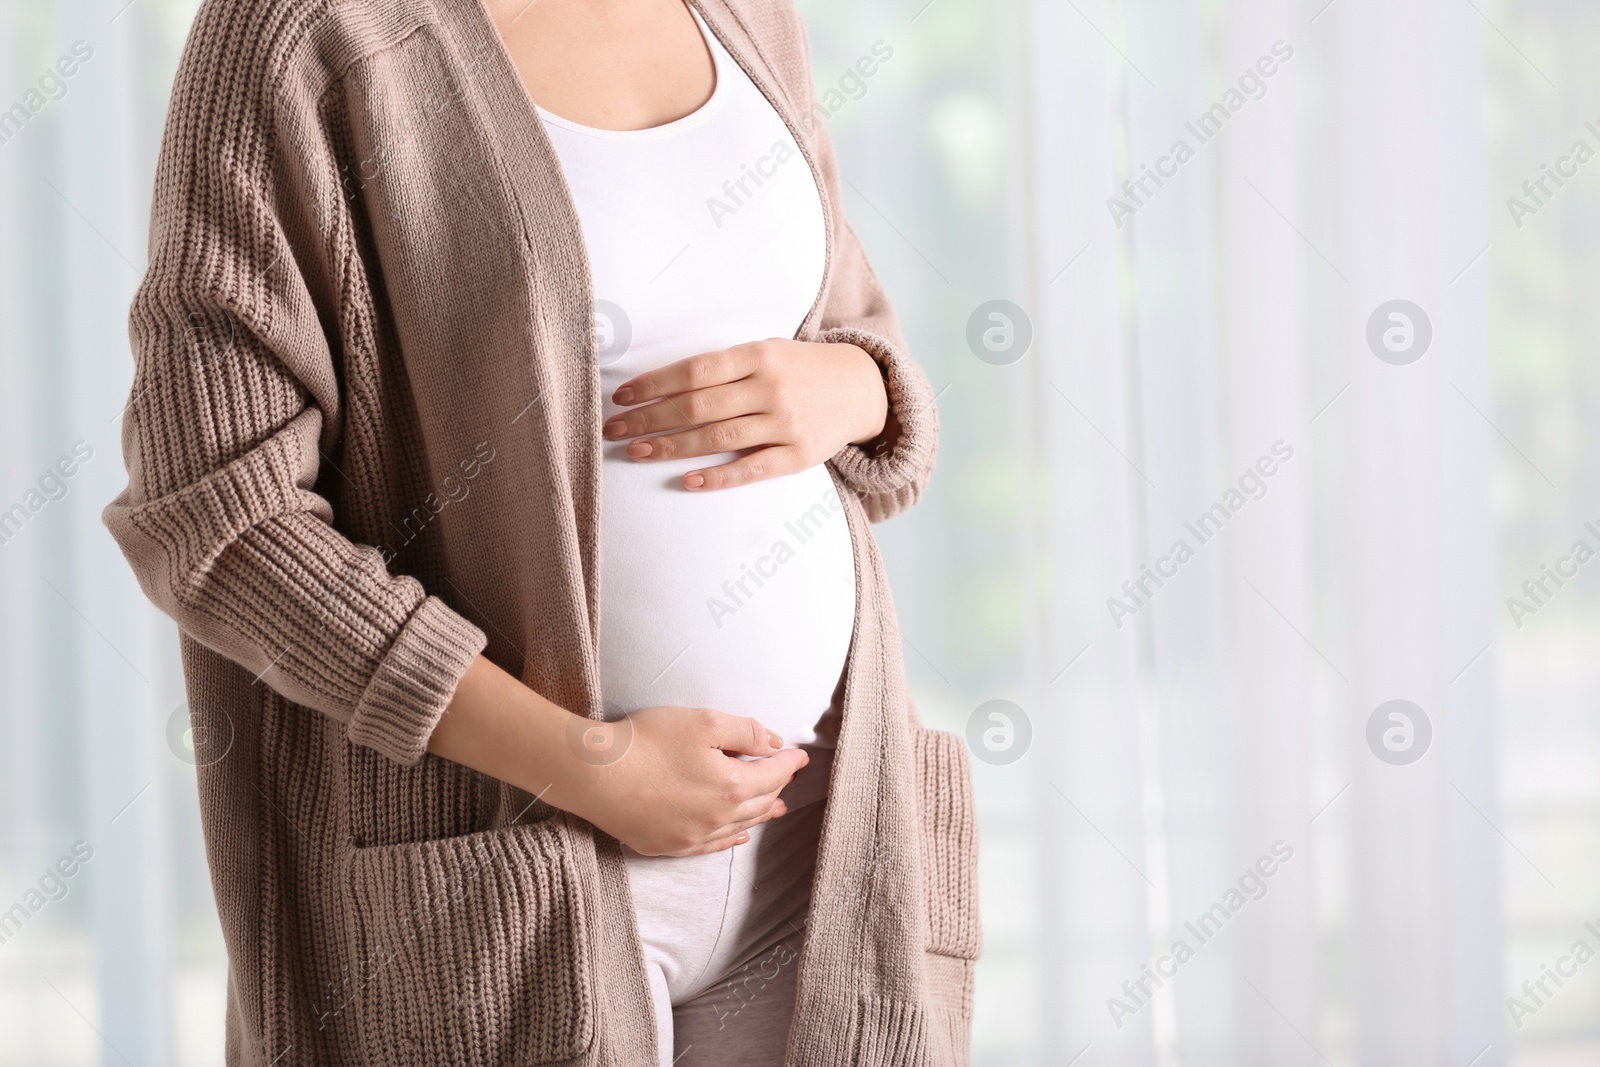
794	403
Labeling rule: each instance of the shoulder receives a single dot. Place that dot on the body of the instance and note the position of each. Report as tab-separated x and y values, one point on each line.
240	41
246	121
264	49
774	19
777	32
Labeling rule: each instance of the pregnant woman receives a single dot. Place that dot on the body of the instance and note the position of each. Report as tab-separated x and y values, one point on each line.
512	400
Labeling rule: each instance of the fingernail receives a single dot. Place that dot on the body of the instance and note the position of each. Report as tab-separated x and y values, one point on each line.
694	480
779	809
640	449
623	396
742	838
774	740
614	428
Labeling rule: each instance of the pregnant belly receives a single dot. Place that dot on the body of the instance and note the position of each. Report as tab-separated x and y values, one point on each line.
742	600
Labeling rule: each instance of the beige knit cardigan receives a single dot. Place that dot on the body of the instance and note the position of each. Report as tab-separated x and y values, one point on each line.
363	446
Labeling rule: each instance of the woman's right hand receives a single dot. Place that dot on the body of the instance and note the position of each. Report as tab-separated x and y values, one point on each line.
670	782
664	781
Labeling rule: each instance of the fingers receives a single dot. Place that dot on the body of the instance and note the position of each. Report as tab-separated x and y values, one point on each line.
770	462
756	809
755	777
719	845
731	435
741	734
738	833
696	372
693	408
746	736
722	795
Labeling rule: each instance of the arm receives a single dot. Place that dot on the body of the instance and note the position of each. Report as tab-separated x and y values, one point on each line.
890	473
664	780
235	399
854	397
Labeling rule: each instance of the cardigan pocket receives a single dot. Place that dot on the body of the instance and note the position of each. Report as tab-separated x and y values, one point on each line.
472	950
949	844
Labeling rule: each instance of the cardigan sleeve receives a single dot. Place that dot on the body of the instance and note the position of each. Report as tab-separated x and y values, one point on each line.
891	477
234	398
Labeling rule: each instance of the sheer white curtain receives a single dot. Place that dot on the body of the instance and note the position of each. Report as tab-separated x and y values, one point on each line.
1222	330
125	965
1222	326
1413	598
1081	506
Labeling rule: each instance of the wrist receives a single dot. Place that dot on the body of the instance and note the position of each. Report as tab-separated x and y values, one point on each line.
499	727
575	773
874	389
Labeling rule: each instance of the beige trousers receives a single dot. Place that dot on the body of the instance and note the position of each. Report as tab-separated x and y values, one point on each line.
722	935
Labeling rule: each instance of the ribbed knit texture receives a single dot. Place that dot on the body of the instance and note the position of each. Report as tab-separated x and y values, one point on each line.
363	446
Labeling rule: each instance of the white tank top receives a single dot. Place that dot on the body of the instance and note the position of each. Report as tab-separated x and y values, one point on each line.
704	233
